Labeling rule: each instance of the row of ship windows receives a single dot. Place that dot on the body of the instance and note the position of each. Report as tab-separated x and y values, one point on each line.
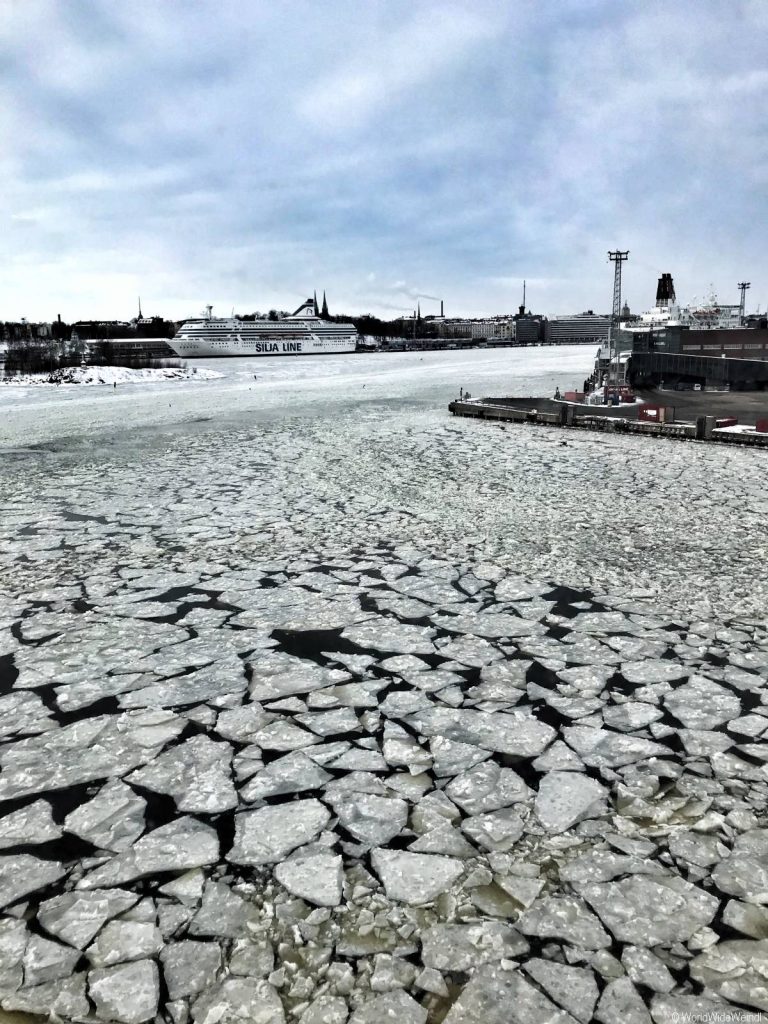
279	337
258	327
216	342
261	341
717	348
248	341
295	334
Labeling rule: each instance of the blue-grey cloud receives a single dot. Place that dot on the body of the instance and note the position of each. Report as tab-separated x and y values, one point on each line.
246	153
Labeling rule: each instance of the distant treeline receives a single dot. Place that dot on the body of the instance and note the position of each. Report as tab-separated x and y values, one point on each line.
377	328
49	355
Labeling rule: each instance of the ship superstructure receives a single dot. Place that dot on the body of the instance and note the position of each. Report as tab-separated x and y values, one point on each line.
302	333
708	315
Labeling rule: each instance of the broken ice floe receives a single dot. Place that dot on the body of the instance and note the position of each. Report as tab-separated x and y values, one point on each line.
483	778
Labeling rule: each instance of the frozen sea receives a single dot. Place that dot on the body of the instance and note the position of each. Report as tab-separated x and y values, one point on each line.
320	705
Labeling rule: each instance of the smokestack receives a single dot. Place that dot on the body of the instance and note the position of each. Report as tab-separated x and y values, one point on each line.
665	291
441	308
59	317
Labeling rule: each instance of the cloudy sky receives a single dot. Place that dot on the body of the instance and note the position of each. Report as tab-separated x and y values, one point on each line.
246	152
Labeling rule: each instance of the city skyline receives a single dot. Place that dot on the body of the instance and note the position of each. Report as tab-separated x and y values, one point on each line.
396	155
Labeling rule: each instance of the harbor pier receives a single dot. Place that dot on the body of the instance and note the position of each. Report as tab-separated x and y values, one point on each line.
610	419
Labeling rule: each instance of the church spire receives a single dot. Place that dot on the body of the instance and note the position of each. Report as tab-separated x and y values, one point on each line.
317	311
324	313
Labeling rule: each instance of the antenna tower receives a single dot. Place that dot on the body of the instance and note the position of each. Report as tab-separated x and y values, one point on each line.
521	309
616	257
742	286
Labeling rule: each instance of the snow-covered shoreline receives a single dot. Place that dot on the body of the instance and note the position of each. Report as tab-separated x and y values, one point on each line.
93	375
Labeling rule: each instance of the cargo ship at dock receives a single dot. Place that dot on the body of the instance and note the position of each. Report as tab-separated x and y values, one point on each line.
711	345
303	333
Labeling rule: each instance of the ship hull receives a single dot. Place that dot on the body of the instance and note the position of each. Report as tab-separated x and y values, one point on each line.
188	348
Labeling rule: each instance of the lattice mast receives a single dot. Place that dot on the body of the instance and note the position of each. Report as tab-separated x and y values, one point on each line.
742	286
616	257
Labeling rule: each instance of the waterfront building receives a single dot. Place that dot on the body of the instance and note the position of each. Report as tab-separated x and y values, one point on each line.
579	329
529	329
495	329
454	328
23	330
498	328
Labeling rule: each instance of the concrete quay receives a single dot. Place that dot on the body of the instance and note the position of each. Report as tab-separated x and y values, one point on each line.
548	412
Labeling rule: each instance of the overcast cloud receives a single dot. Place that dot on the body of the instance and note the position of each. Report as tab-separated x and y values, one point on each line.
244	153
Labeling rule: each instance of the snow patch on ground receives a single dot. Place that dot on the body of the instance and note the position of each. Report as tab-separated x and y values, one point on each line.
113	375
738	428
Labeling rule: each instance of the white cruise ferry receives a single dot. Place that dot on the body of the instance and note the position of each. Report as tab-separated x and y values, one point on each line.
303	333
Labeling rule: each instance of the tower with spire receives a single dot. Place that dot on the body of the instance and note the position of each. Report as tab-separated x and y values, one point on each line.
324	314
317	310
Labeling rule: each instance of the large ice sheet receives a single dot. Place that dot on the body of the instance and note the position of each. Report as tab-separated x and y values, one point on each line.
376	628
178	846
94	748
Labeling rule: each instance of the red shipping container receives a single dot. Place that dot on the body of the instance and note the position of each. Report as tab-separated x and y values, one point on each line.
650	413
762	426
656	413
726	421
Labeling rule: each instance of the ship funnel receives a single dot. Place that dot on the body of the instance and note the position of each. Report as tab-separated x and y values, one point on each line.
307	308
665	291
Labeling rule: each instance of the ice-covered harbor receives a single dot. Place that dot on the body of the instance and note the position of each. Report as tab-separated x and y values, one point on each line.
319	705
